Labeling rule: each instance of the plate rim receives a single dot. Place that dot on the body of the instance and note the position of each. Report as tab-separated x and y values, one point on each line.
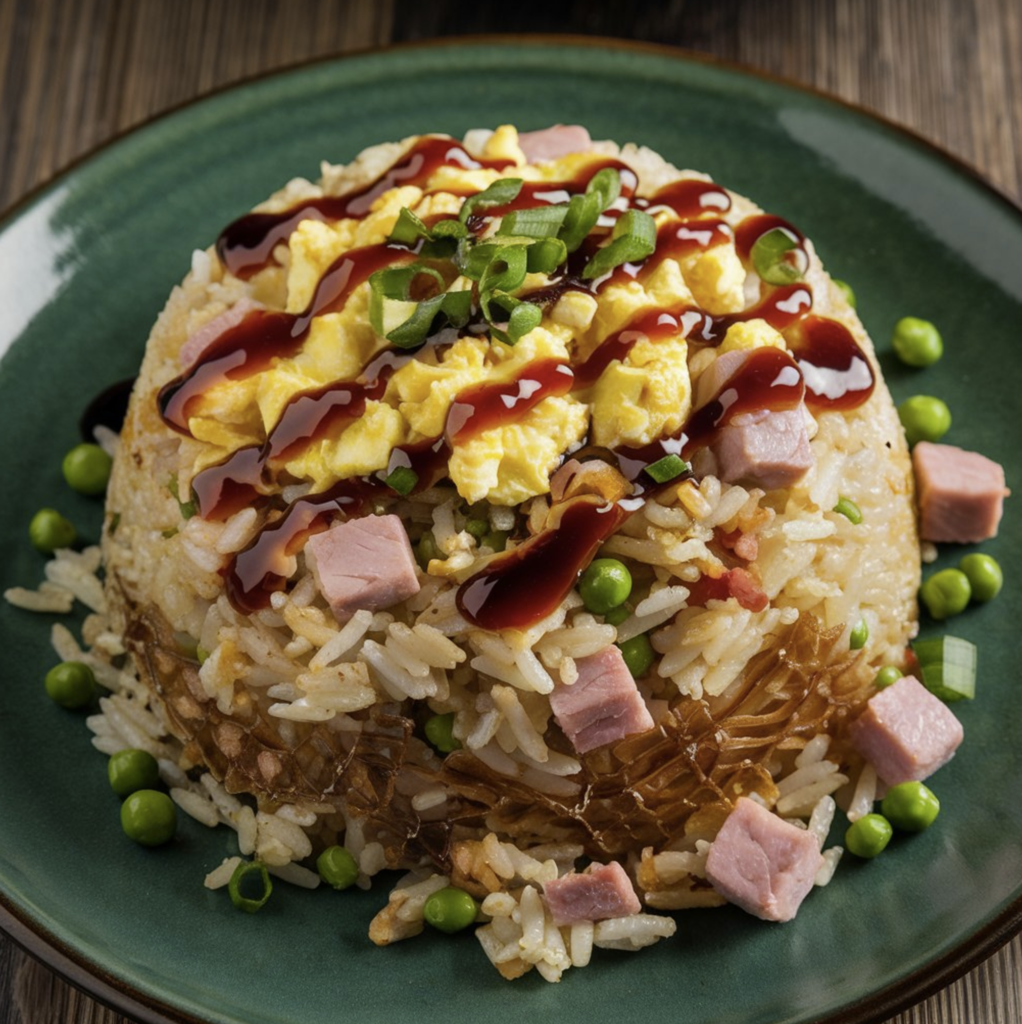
90	977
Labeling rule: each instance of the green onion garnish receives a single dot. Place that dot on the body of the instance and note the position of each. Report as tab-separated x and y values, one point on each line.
607	185
538	222
403	480
667	468
849	510
241	872
408	228
505	272
634	238
395	316
947	666
500	193
771	256
546	255
522	317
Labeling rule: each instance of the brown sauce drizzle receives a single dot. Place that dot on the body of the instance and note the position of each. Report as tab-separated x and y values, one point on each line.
246	245
488	405
519	588
836	370
754	227
691	197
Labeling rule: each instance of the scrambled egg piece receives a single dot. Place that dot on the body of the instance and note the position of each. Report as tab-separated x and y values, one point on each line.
747	335
717	279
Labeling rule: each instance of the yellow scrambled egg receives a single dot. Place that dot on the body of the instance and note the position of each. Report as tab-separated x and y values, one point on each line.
635	400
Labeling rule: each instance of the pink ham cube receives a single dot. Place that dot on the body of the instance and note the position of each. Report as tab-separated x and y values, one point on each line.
761	863
906	732
600	892
602	705
961	494
363	563
555	142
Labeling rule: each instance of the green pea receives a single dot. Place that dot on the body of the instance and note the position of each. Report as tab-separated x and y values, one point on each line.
617	615
846	290
868	836
917	342
71	684
87	469
910	806
49	530
638	654
924	418
946	593
605	584
887	676
849	510
337	867
985	576
131	770
450	910
478	528
149	817
440	732
495	540
427	549
859	635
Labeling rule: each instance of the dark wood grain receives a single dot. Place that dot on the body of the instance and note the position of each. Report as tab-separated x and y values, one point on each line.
75	73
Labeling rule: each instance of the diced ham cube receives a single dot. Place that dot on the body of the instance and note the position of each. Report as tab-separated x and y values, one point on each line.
363	563
761	863
738	583
906	732
961	493
602	705
600	892
766	448
555	142
197	343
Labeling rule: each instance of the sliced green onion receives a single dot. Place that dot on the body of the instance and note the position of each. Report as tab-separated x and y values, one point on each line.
408	228
848	508
448	228
947	666
546	255
500	193
522	317
403	480
859	635
440	733
583	213
505	272
634	238
607	185
667	468
241	872
770	257
538	222
396	316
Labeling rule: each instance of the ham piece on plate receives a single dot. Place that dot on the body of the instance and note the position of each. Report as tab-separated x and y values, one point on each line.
602	705
961	493
906	732
761	863
198	342
363	563
600	892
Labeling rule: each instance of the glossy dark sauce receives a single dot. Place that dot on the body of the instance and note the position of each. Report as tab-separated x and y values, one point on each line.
519	588
837	373
489	405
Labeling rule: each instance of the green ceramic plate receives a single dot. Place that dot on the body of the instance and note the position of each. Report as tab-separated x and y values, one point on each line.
87	263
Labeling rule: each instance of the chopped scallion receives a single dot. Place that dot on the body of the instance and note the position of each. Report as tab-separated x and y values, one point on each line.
776	257
634	238
538	222
947	667
234	886
859	635
500	193
403	480
847	508
546	255
667	468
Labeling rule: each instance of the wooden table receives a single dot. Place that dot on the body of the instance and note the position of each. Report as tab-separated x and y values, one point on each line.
74	73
